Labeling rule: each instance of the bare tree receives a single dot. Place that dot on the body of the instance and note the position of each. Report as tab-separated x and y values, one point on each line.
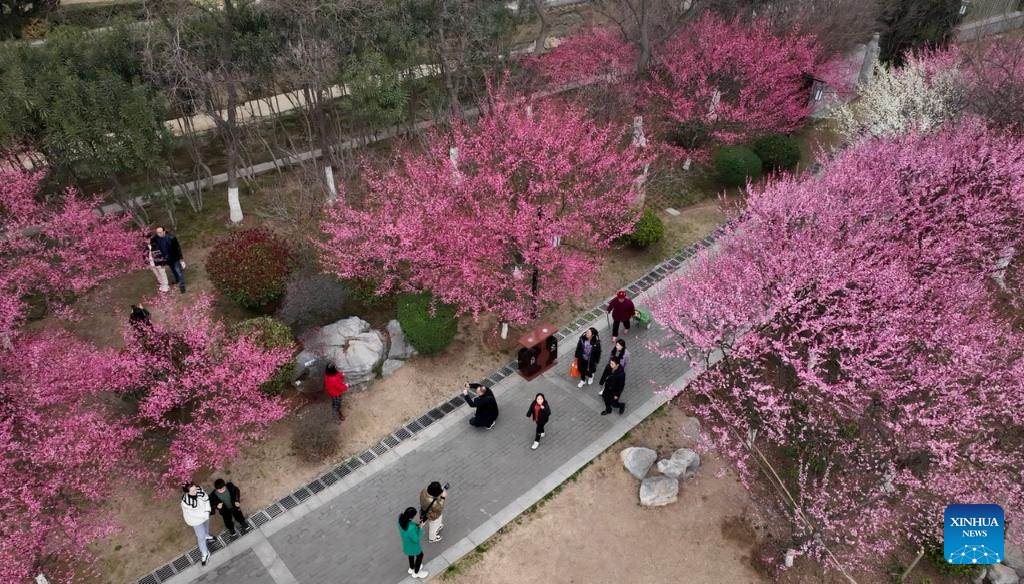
194	51
839	25
649	23
994	73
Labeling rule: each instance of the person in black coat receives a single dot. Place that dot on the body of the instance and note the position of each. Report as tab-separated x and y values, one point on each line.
169	254
540	412
588	354
613	387
226	498
484	402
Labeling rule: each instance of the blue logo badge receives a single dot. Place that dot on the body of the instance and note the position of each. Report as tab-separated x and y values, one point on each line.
973	534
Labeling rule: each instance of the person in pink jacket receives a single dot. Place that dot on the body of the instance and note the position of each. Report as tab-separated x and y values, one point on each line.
622	311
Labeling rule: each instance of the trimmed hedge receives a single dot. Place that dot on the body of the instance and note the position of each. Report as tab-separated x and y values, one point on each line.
777	152
648	230
430	326
251	266
734	165
269	333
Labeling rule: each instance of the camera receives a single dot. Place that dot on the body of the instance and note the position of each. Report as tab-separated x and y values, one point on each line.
445	486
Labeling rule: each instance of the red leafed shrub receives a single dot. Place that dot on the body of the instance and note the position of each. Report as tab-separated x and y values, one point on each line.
251	266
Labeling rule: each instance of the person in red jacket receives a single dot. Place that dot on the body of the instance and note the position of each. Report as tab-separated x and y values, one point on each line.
622	310
334	385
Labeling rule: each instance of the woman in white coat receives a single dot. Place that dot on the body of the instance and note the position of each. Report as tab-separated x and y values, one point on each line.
195	506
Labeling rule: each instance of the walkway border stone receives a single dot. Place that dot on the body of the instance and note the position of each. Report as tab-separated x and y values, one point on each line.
392	446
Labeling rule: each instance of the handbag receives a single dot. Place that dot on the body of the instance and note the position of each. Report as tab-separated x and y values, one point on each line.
574	369
423	512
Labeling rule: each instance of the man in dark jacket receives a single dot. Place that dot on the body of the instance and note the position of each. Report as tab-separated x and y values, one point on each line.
613	387
622	310
484	402
169	255
226	498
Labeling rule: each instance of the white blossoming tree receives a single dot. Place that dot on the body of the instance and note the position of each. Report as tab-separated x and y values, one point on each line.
922	95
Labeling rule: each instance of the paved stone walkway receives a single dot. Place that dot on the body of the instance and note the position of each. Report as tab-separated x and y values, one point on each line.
347	530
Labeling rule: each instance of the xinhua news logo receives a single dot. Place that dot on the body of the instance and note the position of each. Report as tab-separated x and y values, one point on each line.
973	534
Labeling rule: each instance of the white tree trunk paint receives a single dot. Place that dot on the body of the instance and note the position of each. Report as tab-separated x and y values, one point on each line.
332	188
686	164
504	330
640	141
790	555
234	205
453	155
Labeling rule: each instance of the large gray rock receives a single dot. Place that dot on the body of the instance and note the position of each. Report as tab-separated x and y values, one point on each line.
351	345
1000	574
658	491
1014	558
390	366
690	428
638	460
400	347
683	463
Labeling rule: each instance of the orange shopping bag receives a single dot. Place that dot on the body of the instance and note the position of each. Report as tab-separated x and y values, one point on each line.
574	369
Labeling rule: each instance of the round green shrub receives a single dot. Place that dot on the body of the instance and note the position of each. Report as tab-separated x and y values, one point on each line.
735	164
251	266
648	230
430	326
777	152
269	333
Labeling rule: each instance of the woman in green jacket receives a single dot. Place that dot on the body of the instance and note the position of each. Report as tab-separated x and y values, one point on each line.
410	530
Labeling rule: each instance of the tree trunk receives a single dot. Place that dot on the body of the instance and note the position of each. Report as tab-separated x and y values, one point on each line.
644	59
542	36
231	128
447	70
910	568
534	288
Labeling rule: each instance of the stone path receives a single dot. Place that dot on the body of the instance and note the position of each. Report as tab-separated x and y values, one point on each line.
343	528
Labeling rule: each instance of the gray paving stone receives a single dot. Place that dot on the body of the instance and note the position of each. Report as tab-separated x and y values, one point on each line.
244	567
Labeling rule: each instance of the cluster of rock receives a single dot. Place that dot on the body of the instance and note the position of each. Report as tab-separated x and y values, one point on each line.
354	348
1011	571
661	489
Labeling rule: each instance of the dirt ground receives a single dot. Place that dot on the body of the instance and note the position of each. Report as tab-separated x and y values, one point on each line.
268	470
595	530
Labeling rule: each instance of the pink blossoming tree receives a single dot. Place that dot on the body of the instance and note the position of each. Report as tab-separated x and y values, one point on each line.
512	217
60	452
200	389
60	449
54	249
865	367
727	81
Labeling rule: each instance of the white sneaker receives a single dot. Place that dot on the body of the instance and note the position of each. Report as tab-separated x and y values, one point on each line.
542	434
411	572
535	445
590	381
581	383
421	574
601	392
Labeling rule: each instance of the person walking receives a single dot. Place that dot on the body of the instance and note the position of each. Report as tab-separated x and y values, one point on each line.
622	311
410	532
432	509
540	412
485	403
156	262
618	352
227	499
613	387
195	506
170	252
588	354
335	386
